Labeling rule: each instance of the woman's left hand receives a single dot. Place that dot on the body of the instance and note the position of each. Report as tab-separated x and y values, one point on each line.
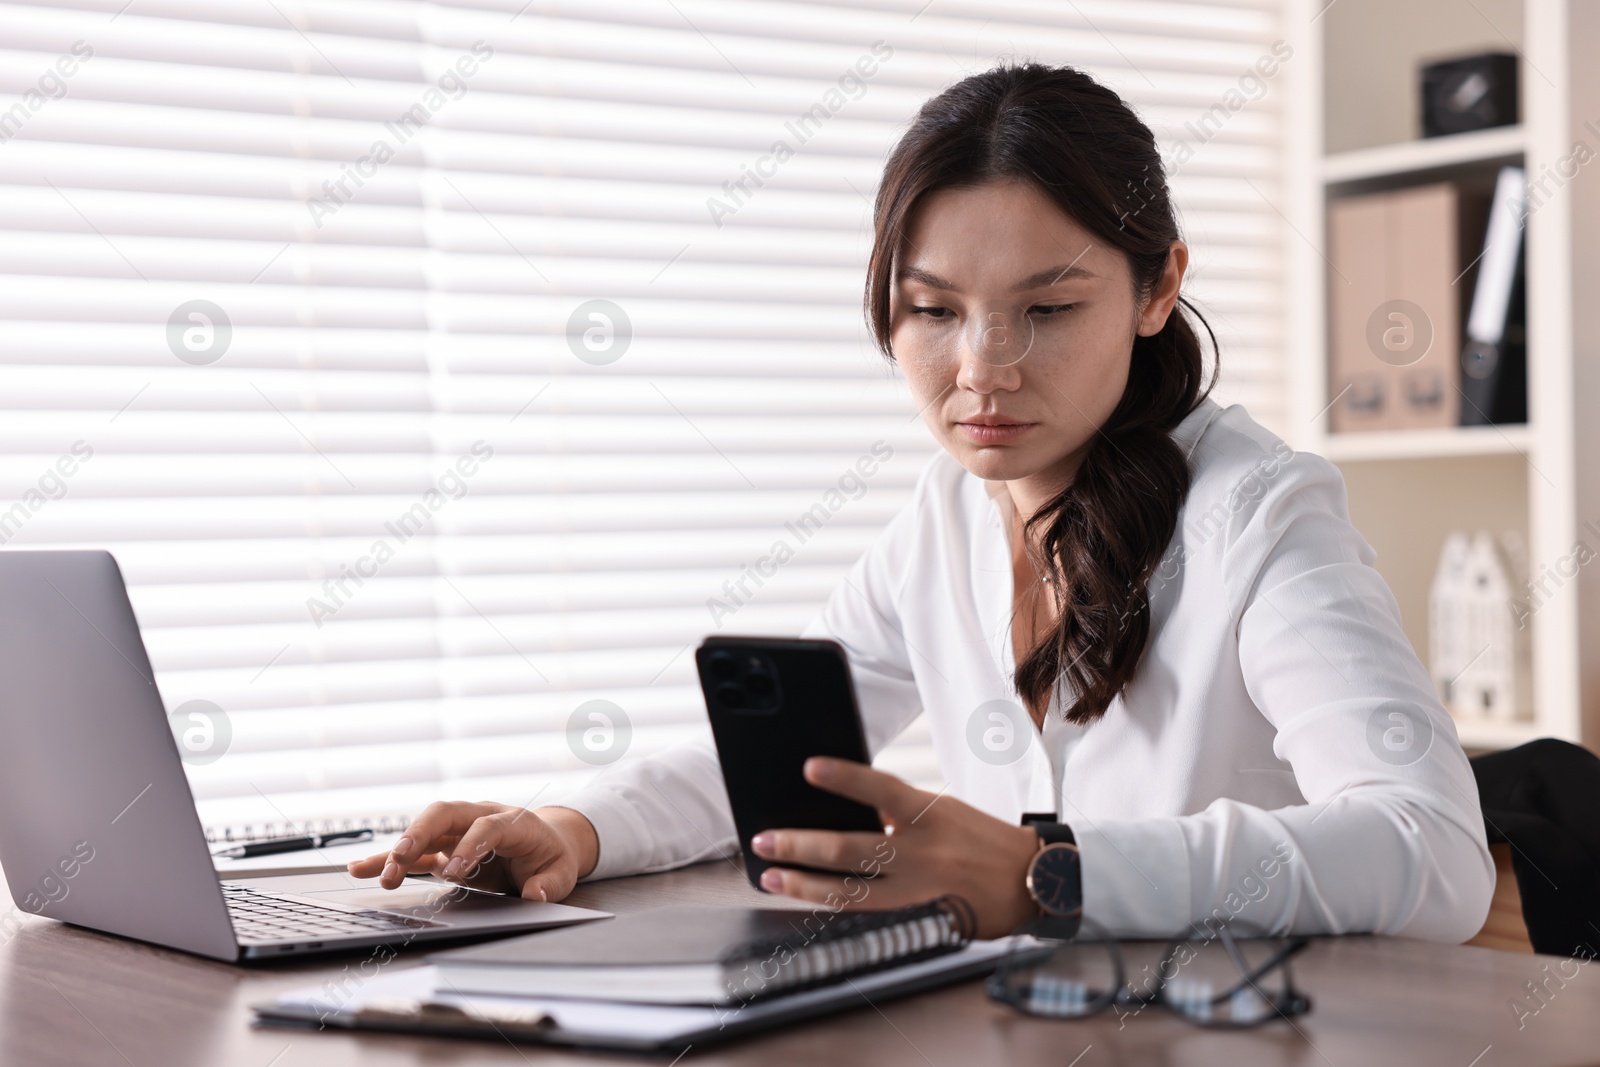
936	845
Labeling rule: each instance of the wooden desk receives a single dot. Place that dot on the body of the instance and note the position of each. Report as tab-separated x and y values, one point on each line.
79	999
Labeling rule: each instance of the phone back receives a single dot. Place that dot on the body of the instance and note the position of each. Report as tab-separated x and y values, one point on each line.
774	703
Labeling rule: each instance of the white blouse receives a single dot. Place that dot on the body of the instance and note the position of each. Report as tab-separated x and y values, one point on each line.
1280	756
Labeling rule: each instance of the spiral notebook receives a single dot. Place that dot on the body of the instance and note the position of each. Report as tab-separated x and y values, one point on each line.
709	956
385	832
237	832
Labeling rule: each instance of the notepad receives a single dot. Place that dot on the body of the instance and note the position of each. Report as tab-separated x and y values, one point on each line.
309	861
710	956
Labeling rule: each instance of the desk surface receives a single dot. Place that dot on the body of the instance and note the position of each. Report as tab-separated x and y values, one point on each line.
80	999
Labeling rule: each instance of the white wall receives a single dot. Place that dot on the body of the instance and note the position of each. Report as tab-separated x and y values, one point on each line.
1375	101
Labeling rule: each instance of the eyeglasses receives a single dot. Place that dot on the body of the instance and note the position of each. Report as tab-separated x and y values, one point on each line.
1205	979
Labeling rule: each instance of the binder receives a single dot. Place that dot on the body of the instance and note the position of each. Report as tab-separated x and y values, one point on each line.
1400	269
1494	359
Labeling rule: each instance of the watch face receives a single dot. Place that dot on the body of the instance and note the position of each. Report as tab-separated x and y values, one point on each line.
1055	881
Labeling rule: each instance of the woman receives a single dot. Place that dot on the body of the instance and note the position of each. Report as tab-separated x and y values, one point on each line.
1217	703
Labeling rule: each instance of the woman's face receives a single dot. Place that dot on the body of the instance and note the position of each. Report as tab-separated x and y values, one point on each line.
1014	327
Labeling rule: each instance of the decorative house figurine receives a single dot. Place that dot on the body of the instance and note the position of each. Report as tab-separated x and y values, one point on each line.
1447	652
1479	654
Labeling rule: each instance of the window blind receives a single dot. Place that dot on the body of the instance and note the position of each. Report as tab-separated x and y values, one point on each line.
441	373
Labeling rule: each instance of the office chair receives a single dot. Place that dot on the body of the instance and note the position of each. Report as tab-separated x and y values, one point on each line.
1543	799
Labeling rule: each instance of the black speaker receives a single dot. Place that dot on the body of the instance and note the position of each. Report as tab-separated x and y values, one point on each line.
1474	93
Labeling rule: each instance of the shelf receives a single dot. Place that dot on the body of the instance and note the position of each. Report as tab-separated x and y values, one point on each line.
1428	444
1431	153
1494	734
1407	490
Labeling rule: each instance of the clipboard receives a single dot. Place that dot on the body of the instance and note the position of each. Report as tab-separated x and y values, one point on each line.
410	1001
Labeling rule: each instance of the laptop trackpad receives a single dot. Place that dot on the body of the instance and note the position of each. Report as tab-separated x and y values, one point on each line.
342	891
412	894
424	898
442	902
438	901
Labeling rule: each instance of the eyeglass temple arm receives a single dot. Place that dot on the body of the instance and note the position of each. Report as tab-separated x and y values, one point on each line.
1251	977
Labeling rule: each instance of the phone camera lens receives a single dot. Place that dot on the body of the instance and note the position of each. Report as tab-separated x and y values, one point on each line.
741	681
722	665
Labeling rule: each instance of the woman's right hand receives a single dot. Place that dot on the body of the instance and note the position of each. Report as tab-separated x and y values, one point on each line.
539	854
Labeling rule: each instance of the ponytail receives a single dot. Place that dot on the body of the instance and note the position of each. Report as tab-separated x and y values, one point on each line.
1102	538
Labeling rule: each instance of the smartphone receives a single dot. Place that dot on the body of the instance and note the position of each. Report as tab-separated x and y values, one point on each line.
774	703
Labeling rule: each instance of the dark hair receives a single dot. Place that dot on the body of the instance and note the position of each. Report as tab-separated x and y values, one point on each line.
1102	537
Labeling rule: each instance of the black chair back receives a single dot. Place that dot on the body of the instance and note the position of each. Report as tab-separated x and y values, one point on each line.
1543	798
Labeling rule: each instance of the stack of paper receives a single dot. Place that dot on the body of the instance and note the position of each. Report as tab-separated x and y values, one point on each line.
418	1000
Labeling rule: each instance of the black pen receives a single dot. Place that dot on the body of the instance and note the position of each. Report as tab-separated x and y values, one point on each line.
293	844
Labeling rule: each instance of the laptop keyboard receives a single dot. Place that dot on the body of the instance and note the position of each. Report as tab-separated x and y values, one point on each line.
263	917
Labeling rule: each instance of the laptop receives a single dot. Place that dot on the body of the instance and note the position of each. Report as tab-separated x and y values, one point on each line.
97	824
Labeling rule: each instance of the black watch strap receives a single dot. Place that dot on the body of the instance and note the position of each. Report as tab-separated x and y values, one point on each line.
1050	832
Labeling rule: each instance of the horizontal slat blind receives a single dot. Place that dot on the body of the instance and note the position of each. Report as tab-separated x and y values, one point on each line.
406	524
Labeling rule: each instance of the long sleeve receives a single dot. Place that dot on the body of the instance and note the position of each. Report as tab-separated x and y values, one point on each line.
659	811
1279	758
671	808
1390	838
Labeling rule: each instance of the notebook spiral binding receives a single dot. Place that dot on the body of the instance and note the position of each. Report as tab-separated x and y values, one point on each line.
848	944
237	832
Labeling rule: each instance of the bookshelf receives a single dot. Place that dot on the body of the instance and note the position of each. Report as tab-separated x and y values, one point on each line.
1540	482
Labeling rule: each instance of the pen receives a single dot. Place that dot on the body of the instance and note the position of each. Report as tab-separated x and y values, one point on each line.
293	844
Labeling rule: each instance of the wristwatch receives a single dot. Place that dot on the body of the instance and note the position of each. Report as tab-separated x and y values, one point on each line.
1055	881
